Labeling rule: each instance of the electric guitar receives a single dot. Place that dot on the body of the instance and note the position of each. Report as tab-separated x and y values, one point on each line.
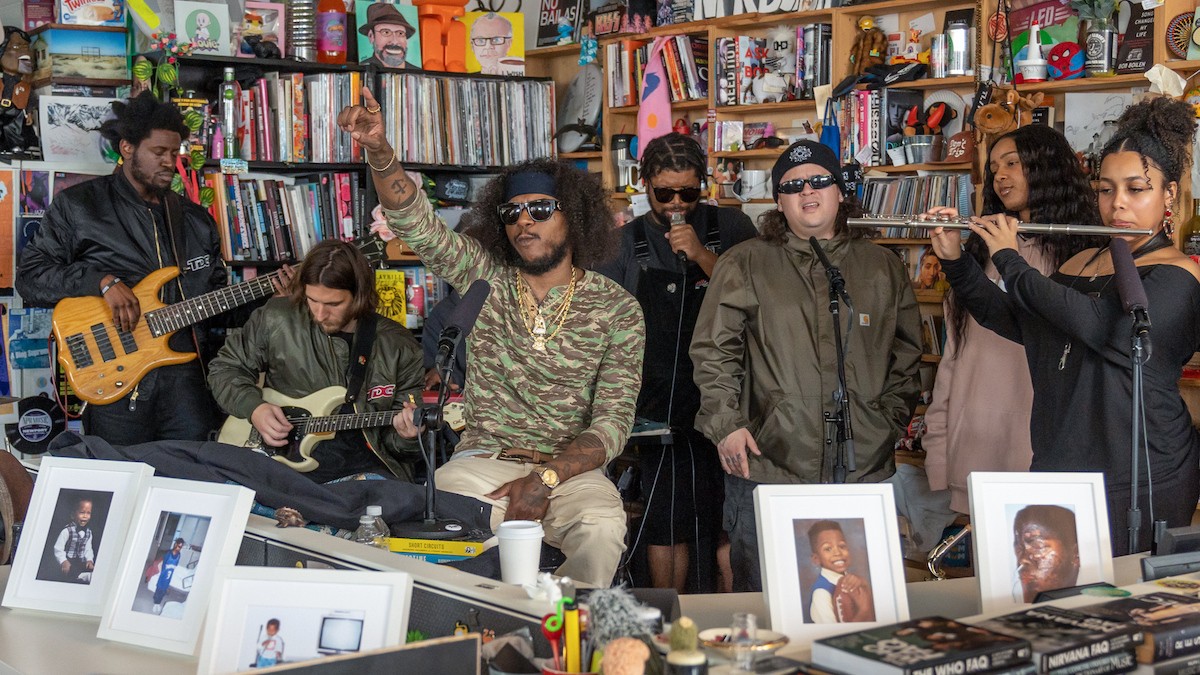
104	363
313	420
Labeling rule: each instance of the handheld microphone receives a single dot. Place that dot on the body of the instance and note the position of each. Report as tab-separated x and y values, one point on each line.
461	321
836	282
1129	286
678	218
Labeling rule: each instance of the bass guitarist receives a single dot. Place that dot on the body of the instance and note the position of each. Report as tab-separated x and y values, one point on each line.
326	334
102	237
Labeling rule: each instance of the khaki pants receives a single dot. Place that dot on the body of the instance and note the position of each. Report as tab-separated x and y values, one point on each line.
586	520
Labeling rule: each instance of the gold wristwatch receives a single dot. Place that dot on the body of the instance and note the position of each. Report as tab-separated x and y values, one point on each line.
548	475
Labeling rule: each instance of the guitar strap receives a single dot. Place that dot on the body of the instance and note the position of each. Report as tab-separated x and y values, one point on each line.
173	208
360	353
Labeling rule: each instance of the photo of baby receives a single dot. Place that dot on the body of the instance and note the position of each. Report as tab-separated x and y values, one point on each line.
834	570
69	553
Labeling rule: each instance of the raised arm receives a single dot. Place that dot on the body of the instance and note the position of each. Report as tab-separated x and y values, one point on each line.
364	123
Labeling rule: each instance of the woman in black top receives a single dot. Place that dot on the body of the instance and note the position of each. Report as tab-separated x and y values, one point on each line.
1076	333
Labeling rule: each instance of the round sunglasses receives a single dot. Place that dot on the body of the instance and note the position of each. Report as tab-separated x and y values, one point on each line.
794	187
539	210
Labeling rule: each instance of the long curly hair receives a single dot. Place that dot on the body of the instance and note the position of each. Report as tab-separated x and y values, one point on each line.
773	226
1160	130
1058	192
591	230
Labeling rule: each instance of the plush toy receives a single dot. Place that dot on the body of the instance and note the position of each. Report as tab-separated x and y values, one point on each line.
16	61
443	36
1065	61
1007	111
928	121
869	47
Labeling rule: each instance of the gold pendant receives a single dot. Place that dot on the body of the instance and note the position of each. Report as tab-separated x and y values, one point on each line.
539	343
539	328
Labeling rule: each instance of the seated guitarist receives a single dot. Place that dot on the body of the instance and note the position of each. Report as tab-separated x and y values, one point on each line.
102	237
555	355
308	342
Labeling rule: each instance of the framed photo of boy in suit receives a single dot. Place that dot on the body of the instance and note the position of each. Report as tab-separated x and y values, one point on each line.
831	558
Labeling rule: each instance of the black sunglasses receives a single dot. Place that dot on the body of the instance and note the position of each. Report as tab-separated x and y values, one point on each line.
686	195
539	209
795	187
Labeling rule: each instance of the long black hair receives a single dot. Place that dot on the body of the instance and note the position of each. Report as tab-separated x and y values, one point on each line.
591	230
1058	192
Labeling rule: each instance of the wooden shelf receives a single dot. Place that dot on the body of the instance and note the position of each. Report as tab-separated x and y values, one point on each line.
888	168
908	6
1183	65
755	108
1088	84
696	104
587	154
929	295
554	50
1189	382
751	154
807	16
931	358
619	195
939	83
737	202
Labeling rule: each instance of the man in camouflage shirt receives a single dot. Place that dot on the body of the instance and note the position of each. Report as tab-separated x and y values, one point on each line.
555	357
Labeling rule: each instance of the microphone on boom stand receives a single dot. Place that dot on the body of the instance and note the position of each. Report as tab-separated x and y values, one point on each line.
839	432
431	416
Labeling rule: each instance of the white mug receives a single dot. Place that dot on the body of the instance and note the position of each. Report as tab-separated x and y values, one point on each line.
753	184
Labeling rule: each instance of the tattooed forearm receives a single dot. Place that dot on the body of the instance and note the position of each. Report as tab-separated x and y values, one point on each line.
392	184
585	453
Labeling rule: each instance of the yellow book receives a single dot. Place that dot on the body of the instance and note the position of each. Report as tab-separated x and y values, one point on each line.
390	286
435	546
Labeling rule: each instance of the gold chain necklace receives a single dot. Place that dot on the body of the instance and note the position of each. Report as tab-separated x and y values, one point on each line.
531	314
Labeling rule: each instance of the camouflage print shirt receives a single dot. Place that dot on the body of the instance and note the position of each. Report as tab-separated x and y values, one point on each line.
586	381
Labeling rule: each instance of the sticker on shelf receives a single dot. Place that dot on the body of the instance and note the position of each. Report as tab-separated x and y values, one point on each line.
234	166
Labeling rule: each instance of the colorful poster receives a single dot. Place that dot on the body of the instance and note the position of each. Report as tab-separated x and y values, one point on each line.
28	338
70	128
205	25
64	180
388	34
35	192
8	196
495	43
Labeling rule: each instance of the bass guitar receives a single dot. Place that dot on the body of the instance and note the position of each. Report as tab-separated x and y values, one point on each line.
104	363
313	419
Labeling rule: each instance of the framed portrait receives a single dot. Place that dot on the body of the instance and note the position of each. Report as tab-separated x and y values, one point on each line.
831	558
74	533
205	25
495	43
1037	532
268	616
181	532
388	34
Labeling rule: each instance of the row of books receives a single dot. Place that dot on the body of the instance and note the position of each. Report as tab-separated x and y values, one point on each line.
408	294
467	122
773	69
889	195
1157	633
263	217
684	60
876	119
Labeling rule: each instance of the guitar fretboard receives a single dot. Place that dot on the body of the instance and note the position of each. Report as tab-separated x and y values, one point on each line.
183	314
334	423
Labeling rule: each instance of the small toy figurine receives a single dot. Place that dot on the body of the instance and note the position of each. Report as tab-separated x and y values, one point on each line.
566	31
16	61
1065	61
869	47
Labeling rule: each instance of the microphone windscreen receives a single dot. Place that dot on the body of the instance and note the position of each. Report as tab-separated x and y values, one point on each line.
1129	283
468	308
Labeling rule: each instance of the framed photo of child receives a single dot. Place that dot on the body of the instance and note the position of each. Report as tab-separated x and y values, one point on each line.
182	531
1035	532
267	616
74	533
830	556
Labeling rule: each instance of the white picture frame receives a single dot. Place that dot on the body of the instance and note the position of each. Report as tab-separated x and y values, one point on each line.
111	490
998	498
866	517
146	609
204	24
69	128
317	613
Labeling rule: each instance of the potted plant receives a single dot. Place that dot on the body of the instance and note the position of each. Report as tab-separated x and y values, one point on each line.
1100	36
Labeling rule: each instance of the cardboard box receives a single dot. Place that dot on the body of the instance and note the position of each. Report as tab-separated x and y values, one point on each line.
92	12
77	52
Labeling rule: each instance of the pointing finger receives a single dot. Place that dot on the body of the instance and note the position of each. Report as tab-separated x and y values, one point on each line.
369	101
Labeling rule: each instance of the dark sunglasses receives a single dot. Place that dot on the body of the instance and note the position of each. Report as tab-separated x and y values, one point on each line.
686	195
539	209
795	187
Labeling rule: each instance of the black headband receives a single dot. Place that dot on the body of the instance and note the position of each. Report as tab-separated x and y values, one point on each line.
812	152
529	183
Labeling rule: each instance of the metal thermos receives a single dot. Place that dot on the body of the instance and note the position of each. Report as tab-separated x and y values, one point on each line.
1100	49
958	37
302	30
938	56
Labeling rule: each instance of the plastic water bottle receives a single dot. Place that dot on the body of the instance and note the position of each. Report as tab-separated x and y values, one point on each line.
368	534
376	512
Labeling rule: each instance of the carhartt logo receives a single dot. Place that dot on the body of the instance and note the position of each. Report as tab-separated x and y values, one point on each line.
362	360
801	154
381	391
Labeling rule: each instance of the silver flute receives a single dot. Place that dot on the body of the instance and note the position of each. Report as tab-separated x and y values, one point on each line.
873	220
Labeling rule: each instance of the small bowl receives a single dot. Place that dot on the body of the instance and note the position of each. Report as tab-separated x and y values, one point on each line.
768	641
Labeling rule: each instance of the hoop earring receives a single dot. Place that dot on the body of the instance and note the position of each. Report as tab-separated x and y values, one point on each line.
1168	225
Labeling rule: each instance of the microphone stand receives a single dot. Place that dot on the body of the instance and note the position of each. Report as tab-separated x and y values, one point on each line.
432	418
1139	354
838	430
